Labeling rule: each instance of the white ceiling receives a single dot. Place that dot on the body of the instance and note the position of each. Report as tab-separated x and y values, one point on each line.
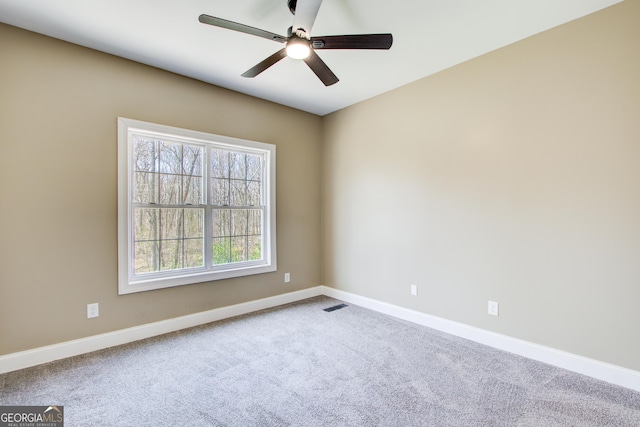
429	36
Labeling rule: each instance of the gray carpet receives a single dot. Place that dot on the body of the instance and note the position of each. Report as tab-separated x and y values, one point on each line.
298	365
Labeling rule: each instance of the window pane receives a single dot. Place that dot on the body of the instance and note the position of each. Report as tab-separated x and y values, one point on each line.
255	248
221	250
144	187
253	193
221	222
219	164
193	253
192	160
193	223
192	190
238	193
255	223
170	158
170	255
171	224
238	249
144	155
254	167
170	186
239	222
145	225
237	165
145	257
220	192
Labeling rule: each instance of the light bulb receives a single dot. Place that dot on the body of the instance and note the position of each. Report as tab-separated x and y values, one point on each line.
298	48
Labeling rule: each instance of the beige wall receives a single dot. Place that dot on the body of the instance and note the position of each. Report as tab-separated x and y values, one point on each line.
514	177
58	109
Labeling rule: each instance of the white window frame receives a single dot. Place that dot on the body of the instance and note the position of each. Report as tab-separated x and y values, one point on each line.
128	282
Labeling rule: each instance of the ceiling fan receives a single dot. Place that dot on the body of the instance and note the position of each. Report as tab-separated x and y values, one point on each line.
299	44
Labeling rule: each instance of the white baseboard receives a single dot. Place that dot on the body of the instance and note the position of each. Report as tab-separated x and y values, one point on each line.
572	362
38	356
594	368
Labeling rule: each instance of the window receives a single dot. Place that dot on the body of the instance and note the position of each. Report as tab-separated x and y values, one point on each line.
192	207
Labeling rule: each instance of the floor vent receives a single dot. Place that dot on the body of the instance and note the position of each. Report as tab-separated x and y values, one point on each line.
335	307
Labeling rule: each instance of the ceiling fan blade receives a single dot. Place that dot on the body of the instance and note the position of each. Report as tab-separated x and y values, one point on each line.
258	68
318	66
230	25
355	41
306	12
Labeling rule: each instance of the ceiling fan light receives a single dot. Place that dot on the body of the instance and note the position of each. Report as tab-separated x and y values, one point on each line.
298	49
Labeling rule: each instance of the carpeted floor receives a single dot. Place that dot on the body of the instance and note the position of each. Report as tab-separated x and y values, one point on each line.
297	365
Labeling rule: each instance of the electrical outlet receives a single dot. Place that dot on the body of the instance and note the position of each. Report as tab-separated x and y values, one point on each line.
414	290
492	308
287	277
93	310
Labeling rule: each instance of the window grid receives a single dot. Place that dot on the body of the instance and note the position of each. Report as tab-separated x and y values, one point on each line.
227	232
181	241
160	179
